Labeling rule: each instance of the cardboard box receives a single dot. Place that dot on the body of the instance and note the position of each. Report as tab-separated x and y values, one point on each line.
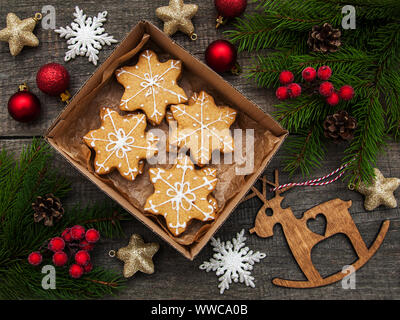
134	42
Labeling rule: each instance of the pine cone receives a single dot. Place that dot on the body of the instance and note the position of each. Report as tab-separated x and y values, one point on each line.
324	39
47	208
340	127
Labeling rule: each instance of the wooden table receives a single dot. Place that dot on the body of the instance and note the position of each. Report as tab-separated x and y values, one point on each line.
175	276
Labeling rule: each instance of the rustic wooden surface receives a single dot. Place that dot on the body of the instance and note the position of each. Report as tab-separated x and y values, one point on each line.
175	276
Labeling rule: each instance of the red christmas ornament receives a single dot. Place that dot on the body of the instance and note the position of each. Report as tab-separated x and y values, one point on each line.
60	258
326	89
309	74
88	268
35	258
24	106
282	93
221	56
66	235
229	9
82	257
346	92
294	90
92	236
76	271
77	232
56	244
52	79
286	77
333	99
324	73
84	245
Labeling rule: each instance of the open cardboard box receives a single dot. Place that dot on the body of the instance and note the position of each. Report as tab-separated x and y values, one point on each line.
139	37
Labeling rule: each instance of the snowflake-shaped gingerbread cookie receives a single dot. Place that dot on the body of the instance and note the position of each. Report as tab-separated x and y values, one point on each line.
121	143
151	86
182	193
202	127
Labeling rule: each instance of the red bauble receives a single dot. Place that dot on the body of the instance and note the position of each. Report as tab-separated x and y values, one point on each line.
333	99
294	90
230	8
82	257
309	74
84	245
88	267
92	236
76	271
282	93
221	56
24	106
35	258
326	89
324	73
286	77
52	79
60	258
346	92
77	232
66	235
56	244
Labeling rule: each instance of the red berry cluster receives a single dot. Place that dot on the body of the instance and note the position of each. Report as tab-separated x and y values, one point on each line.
289	89
74	242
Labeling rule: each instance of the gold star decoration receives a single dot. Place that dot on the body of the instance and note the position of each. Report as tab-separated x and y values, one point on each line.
19	33
177	16
137	256
379	192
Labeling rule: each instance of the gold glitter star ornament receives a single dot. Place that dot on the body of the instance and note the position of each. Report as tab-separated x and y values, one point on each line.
19	33
137	256
177	16
379	192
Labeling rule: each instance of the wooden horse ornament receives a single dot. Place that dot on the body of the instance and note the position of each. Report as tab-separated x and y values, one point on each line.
301	239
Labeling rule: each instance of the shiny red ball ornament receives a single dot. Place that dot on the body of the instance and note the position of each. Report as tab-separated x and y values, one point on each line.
333	99
52	79
60	258
286	77
282	93
77	232
309	74
76	271
35	258
82	257
24	106
92	236
221	56
326	89
228	9
346	92
56	244
324	73
294	90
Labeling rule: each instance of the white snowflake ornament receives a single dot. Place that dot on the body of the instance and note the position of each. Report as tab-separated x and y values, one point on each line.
85	36
232	261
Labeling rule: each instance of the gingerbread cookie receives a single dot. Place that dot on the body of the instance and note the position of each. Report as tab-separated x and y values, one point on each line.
182	193
121	143
202	127
151	86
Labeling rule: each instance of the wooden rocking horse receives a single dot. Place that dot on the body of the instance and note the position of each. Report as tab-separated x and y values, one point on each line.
301	239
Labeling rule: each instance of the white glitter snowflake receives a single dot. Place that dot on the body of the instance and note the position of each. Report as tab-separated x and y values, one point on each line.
85	36
232	261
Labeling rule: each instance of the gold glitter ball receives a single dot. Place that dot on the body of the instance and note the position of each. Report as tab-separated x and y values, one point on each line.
137	256
379	192
19	33
177	16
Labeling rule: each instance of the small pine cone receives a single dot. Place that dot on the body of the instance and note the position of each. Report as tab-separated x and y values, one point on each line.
340	127
324	39
47	208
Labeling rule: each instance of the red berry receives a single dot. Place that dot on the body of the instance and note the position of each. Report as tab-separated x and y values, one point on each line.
77	232
35	258
333	100
76	271
294	90
309	74
92	236
82	258
286	77
346	92
324	73
66	235
84	245
60	258
326	89
282	93
56	244
88	267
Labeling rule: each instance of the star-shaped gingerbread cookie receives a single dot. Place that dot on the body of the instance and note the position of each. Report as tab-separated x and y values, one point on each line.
202	127
151	86
379	192
182	193
121	143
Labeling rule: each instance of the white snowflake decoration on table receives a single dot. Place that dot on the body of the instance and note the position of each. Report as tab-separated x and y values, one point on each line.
232	261
85	36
